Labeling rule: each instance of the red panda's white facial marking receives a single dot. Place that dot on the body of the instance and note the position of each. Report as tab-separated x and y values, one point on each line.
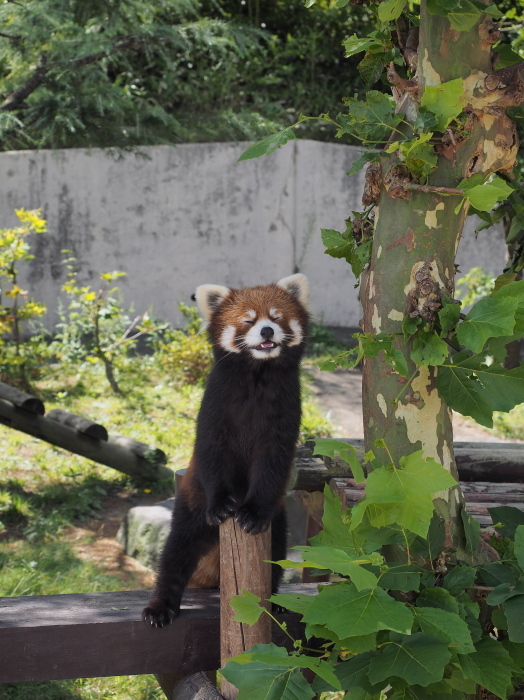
260	321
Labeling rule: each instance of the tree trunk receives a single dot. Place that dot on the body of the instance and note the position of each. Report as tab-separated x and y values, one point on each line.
416	237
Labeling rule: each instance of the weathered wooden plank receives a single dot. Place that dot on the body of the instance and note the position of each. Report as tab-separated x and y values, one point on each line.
476	461
197	687
21	399
479	496
83	425
113	453
102	634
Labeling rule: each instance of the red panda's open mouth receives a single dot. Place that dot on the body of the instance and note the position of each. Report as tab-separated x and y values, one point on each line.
266	345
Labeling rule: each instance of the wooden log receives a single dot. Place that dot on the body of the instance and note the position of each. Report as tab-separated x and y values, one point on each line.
498	462
152	455
112	454
102	634
21	400
243	565
82	425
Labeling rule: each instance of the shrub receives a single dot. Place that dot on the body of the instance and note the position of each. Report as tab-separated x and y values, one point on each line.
185	355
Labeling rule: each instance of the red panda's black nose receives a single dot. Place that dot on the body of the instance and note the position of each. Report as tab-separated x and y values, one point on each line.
267	332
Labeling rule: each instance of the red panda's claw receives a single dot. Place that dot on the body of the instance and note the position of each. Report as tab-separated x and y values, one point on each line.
252	521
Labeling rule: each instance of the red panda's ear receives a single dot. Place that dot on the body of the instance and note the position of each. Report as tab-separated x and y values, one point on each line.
209	297
298	286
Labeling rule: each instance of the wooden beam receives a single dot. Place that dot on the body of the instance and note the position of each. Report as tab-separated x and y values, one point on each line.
21	400
112	453
102	634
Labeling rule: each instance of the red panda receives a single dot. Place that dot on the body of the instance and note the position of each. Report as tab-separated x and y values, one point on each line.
247	429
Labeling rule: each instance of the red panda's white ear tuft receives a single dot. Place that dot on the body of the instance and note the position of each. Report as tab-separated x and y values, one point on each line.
298	286
209	297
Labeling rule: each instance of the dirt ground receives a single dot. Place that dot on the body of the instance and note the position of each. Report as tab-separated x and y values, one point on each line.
339	393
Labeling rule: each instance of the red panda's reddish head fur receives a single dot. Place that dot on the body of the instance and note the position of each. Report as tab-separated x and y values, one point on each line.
262	322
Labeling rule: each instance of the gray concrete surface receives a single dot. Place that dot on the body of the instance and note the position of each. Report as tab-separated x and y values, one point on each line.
176	217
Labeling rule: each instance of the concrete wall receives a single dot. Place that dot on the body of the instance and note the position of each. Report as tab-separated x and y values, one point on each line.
173	218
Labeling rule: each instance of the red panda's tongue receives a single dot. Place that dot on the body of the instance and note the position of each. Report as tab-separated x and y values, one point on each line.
267	344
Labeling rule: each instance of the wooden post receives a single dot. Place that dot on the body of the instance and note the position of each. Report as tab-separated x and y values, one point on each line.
242	566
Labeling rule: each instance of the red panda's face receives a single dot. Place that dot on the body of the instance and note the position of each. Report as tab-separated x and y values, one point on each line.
261	321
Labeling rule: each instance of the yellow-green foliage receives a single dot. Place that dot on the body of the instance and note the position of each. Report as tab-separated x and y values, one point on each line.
17	356
185	355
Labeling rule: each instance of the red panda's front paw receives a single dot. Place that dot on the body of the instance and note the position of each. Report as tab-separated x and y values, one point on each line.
253	520
218	512
159	614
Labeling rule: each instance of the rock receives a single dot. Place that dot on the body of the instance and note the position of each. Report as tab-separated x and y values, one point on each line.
144	531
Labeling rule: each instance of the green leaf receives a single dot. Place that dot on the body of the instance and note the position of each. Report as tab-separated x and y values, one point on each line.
356	44
400	577
371	66
419	660
409	489
446	626
449	316
268	145
445	101
347	453
476	390
506	519
340	562
490	666
428	349
247	607
465	17
336	521
349	612
505	591
352	673
471	531
271	656
391	10
496	573
518	549
484	197
514	609
297	602
488	318
371	119
459	578
366	157
506	56
438	598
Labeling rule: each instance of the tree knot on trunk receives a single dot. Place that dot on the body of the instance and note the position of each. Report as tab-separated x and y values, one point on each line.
372	184
362	227
489	32
425	299
396	182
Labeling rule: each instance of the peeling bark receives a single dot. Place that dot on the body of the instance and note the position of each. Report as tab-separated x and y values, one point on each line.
417	233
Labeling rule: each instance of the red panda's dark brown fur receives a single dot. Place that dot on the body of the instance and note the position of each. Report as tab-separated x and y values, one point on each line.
247	429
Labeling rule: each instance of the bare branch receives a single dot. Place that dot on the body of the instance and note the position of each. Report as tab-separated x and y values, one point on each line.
16	99
13	37
509	82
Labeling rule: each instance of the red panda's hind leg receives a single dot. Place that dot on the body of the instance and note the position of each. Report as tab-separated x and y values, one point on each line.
190	539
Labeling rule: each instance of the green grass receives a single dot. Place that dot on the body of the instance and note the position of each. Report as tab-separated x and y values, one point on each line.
43	490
